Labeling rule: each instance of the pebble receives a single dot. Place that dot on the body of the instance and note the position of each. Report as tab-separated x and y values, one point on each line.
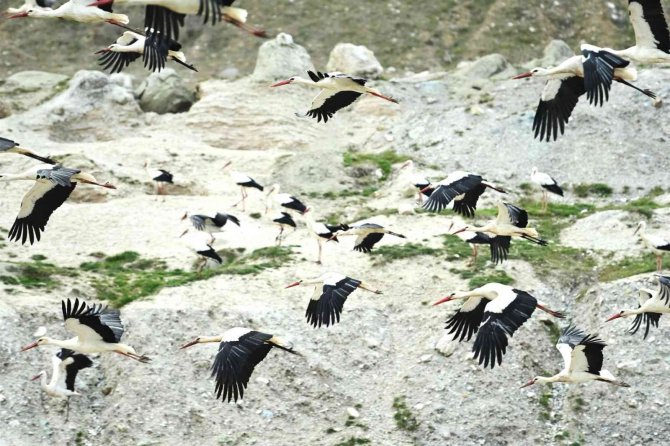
426	358
261	380
352	412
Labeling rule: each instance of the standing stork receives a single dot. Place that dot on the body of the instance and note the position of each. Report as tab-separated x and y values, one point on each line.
53	185
474	239
284	221
76	11
210	225
652	305
98	329
245	182
204	250
9	146
160	177
284	200
463	188
32	4
330	292
493	311
655	243
582	358
240	351
368	234
338	91
323	232
547	183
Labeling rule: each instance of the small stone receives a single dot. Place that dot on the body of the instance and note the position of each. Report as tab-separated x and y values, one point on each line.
426	358
261	380
267	414
445	346
352	412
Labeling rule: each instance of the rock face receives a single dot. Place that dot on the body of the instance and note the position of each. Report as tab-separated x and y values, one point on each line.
556	52
39	85
492	65
281	58
354	59
165	92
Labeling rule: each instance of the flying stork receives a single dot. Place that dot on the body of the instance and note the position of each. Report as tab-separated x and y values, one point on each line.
338	91
31	4
240	351
284	200
9	146
547	183
245	182
583	360
657	244
652	305
210	225
418	181
330	292
463	188
98	329
323	232
284	221
160	177
77	11
53	185
493	311
368	234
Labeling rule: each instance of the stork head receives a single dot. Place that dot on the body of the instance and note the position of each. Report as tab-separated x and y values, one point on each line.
201	340
640	227
534	72
622	313
286	82
534	170
41	341
537	379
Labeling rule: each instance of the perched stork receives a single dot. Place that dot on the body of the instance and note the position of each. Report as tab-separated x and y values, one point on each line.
338	91
583	360
330	292
204	250
9	146
98	329
155	50
167	16
564	87
240	351
656	244
474	239
245	182
284	221
493	311
652	305
463	188
160	177
284	200
547	183
53	185
368	234
323	232
210	225
77	11
32	4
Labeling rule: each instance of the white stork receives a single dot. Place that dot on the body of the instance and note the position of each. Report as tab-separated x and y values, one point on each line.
655	243
493	311
284	200
338	91
77	11
240	351
368	234
474	239
323	232
417	180
210	225
330	292
197	243
53	185
652	305
547	183
284	221
98	329
31	4
583	360
155	50
245	182
463	188
160	177
9	146
564	87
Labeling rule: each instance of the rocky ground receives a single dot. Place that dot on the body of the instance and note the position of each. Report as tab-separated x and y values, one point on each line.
386	375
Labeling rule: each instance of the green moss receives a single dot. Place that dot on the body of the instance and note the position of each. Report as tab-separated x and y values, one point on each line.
389	253
255	215
479	278
598	189
404	418
629	266
384	160
36	275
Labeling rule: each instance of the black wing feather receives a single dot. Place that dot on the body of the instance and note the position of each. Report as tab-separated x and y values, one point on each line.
327	309
443	194
464	324
553	114
369	242
333	104
103	320
79	362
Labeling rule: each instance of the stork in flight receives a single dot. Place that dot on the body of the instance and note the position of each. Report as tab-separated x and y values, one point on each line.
338	91
9	146
367	235
240	351
77	11
31	4
463	188
582	358
53	185
494	312
210	225
98	329
655	243
547	183
330	292
652	304
474	239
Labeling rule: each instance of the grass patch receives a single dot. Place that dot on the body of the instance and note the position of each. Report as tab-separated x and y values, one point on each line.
552	330
643	206
389	253
404	418
544	401
626	267
384	160
598	189
36	275
479	278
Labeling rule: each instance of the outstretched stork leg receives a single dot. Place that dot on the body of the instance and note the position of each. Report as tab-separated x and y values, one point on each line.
552	312
258	32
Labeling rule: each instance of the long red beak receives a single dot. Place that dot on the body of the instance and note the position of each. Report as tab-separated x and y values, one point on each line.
459	231
35	378
16	16
529	383
279	84
29	346
292	285
614	316
426	188
99	3
388	98
188	344
102	51
523	75
444	299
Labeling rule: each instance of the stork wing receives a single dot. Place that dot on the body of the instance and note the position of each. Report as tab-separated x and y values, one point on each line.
508	214
128	38
587	350
468	204
466	321
198	221
455	184
664	289
326	308
70	365
365	243
156	48
115	61
500	248
92	322
647	318
649	24
328	102
163	21
559	98
599	66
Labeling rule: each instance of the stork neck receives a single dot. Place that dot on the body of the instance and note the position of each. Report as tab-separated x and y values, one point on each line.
208	339
70	344
43	380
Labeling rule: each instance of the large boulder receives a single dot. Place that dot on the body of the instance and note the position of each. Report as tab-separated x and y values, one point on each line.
354	59
555	53
27	89
490	66
165	92
281	58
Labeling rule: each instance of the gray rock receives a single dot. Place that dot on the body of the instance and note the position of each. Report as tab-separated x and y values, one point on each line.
281	58
353	59
556	52
492	65
27	89
165	92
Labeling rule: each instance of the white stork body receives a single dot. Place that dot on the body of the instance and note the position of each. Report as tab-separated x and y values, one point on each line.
32	4
76	11
245	182
583	360
9	146
160	177
655	243
322	233
338	91
65	366
493	311
330	292
652	304
463	188
547	183
367	235
287	201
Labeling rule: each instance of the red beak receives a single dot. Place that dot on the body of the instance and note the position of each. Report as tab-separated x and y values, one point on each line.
426	188
29	346
36	377
99	3
444	299
529	383
279	84
523	75
614	316
292	285
459	231
16	16
102	51
190	343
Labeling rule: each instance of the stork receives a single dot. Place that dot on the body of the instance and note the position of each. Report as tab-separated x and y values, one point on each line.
564	87
655	243
210	225
419	181
245	182
76	11
154	49
31	4
463	188
547	183
240	351
284	200
323	232
160	177
9	146
652	305
474	239
98	329
368	234
284	221
338	91
493	311
65	367
330	292
53	185
583	360
204	250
